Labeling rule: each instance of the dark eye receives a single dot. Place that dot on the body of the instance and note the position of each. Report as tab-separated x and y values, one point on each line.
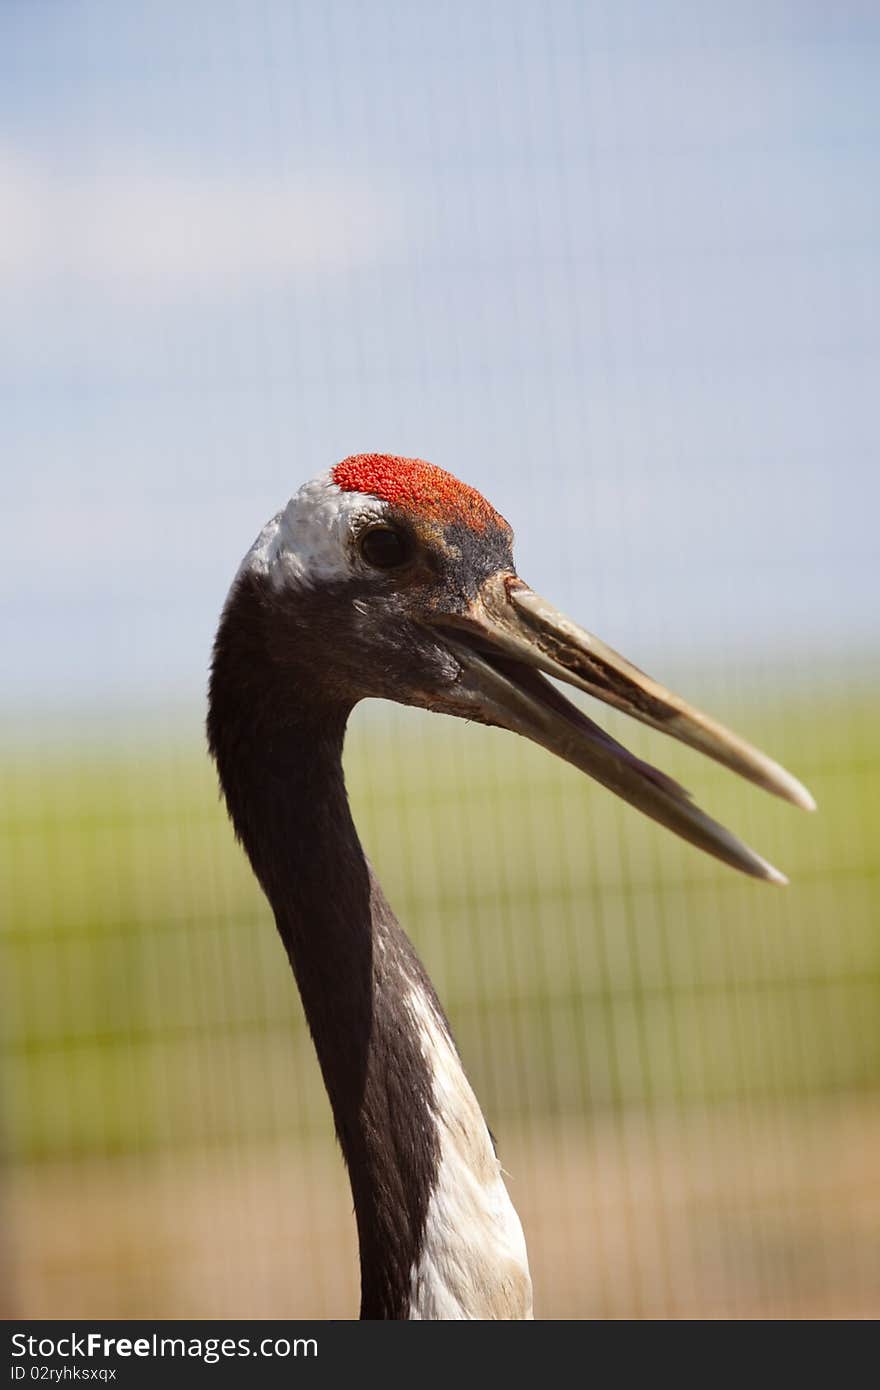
384	548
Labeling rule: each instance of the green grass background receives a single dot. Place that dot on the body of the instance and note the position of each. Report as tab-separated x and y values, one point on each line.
589	962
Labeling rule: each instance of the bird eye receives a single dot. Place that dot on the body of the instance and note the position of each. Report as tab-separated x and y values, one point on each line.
384	548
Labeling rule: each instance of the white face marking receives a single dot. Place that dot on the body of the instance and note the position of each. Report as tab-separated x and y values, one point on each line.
473	1262
310	541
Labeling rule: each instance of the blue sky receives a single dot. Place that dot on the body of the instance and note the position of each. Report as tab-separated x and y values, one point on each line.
617	264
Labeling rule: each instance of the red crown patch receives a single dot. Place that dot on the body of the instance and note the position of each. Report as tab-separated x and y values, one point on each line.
417	487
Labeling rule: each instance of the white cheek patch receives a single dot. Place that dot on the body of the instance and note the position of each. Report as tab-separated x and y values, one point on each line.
309	542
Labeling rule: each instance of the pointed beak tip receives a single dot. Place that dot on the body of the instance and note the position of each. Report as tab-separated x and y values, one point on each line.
801	798
775	877
782	784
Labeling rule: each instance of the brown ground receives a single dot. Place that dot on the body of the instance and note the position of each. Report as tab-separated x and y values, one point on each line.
740	1213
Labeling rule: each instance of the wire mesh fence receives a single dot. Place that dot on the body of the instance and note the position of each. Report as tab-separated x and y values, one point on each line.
678	1066
617	271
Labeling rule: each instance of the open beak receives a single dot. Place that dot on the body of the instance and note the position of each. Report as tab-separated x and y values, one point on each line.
510	639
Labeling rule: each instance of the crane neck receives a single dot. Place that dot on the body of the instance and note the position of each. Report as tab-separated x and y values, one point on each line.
410	1129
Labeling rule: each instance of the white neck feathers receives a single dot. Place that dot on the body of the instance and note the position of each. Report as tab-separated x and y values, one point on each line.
473	1261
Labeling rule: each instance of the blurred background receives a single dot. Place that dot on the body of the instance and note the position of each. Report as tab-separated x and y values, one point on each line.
618	266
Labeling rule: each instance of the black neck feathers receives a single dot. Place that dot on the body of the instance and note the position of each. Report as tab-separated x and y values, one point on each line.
277	737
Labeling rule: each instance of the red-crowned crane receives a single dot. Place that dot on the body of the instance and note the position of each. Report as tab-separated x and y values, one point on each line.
386	577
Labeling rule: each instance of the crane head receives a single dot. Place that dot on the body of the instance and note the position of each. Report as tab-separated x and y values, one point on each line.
387	577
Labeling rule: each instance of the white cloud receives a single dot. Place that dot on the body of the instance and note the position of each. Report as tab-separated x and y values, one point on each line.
141	232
